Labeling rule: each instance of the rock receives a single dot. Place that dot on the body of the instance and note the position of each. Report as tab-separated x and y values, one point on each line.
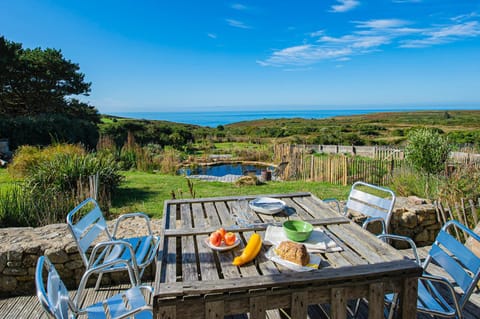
409	219
416	200
56	256
8	283
15	271
15	253
75	264
422	237
3	262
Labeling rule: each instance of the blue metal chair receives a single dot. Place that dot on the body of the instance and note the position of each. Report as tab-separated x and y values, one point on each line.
437	295
377	204
57	303
87	224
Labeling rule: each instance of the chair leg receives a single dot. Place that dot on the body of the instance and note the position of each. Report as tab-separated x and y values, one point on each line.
393	306
99	281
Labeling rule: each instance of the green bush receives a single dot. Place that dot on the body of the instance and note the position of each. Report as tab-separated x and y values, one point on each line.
427	150
54	183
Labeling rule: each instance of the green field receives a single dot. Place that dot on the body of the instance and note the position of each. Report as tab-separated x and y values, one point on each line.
147	191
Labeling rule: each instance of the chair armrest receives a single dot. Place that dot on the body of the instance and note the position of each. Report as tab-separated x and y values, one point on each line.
96	269
152	254
443	281
336	202
105	248
406	239
370	220
131	215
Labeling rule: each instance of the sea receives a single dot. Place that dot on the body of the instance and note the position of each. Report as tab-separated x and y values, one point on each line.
216	118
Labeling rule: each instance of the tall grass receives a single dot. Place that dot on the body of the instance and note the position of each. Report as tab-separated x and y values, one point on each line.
53	185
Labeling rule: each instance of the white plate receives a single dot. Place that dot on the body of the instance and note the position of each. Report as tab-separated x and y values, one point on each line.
222	247
312	265
267	205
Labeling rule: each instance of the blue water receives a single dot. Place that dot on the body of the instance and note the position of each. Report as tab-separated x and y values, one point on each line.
223	169
213	119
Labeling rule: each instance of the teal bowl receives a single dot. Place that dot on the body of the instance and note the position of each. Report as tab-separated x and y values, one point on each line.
297	230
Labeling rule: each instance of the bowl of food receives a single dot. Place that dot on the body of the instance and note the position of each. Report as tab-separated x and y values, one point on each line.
297	230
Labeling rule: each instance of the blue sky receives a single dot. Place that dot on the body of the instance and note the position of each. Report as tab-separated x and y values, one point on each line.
223	55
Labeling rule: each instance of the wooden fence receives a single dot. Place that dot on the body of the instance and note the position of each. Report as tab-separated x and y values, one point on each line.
375	152
335	169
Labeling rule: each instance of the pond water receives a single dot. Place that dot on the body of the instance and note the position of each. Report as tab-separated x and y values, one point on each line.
224	169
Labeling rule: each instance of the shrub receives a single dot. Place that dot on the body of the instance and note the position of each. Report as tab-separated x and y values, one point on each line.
28	157
463	182
427	150
54	182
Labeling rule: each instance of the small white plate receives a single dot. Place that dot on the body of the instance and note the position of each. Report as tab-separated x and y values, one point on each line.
312	265
222	247
267	205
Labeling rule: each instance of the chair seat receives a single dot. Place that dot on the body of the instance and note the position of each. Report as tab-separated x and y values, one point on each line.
432	302
142	246
120	305
429	302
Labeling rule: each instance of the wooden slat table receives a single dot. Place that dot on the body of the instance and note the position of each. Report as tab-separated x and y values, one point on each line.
193	281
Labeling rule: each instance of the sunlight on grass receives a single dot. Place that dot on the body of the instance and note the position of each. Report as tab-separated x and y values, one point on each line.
146	192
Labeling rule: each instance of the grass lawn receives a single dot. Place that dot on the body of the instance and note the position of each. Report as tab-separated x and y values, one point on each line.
5	179
146	192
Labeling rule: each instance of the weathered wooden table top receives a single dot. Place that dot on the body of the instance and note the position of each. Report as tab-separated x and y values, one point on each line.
188	267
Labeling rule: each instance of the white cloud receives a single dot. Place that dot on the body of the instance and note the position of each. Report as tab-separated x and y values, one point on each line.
237	24
212	35
406	1
238	6
381	23
304	55
370	36
444	34
344	5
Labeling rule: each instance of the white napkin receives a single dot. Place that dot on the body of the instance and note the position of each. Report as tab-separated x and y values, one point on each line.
319	242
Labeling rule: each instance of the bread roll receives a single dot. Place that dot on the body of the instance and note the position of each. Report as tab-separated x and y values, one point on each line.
294	252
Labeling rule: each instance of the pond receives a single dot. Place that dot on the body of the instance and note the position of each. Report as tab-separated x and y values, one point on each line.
225	169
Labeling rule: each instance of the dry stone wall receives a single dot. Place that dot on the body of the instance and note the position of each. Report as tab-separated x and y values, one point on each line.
21	247
412	217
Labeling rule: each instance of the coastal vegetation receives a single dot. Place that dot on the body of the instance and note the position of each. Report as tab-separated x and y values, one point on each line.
390	128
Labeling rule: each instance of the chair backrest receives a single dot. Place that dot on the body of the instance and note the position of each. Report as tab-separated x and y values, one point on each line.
377	202
54	299
456	259
88	227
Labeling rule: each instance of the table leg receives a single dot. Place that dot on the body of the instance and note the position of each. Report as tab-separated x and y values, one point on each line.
214	309
338	309
375	301
299	307
408	299
166	312
258	307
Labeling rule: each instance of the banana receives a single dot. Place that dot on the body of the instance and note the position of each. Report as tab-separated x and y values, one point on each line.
251	250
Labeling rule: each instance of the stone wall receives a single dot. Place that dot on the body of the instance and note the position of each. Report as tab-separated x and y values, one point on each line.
412	217
21	247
